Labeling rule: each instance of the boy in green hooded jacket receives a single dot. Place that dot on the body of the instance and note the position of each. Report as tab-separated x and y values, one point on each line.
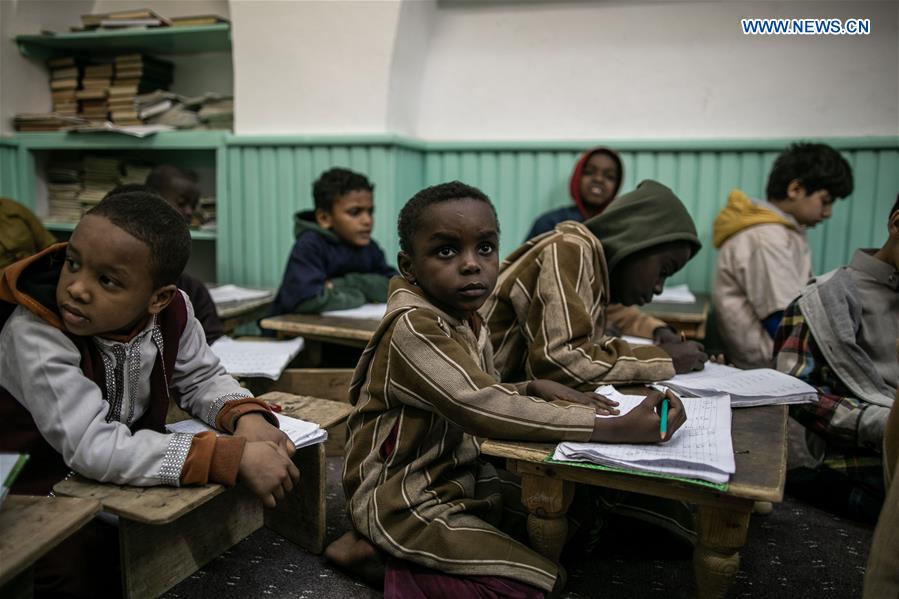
548	313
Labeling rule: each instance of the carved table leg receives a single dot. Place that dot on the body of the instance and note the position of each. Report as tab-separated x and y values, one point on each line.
547	500
722	532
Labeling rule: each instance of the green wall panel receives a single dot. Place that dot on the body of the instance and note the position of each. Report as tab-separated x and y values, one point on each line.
10	171
525	183
268	183
262	180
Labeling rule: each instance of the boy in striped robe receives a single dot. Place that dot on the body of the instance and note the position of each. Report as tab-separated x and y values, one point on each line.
424	392
548	315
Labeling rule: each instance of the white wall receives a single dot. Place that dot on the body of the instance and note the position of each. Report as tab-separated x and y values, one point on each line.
647	70
312	67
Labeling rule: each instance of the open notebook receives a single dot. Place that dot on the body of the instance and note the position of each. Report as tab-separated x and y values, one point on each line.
701	449
364	312
265	358
756	387
302	433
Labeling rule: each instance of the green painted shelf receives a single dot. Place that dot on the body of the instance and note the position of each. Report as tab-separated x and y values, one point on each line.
157	40
166	140
201	235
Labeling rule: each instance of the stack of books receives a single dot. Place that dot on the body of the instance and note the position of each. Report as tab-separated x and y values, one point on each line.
136	74
94	91
142	17
65	79
63	187
101	175
218	113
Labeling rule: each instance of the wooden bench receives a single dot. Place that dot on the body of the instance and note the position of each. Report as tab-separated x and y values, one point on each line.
29	528
166	533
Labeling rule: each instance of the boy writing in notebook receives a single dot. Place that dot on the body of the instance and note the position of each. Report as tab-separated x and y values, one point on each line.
594	185
425	391
764	259
95	341
547	317
334	263
840	336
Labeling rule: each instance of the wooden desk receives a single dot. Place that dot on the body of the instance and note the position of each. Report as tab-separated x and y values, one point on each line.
691	319
166	533
29	528
300	517
244	313
330	329
760	445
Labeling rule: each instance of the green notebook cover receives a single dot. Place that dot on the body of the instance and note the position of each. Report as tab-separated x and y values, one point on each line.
10	466
693	481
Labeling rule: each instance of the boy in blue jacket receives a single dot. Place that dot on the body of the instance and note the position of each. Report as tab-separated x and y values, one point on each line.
334	263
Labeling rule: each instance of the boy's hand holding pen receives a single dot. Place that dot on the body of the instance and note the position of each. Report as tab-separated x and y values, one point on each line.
663	409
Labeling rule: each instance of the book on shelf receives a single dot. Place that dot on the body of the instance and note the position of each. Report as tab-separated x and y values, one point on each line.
126	23
95	82
105	70
197	20
61	62
94	21
62	84
97	93
64	73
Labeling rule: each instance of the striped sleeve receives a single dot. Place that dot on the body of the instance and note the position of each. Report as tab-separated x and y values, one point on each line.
432	371
562	321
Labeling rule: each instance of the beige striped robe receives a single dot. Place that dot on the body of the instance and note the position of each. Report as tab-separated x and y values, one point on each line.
548	313
423	382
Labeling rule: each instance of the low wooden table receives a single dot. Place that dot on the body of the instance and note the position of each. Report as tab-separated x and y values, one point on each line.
760	445
244	313
300	517
691	319
354	332
29	528
166	533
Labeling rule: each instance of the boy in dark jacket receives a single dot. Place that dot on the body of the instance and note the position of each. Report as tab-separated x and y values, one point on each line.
334	264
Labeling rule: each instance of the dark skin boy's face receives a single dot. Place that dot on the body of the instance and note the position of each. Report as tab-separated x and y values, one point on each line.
640	276
105	287
454	257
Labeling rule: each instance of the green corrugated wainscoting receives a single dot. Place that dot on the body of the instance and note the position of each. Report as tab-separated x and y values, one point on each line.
10	170
261	181
269	178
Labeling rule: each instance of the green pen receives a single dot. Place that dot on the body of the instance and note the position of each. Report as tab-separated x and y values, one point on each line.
663	411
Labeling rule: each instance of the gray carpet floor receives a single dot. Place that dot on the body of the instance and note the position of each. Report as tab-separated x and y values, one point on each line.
796	552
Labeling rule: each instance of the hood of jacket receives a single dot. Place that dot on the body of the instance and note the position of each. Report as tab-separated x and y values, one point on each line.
740	213
646	217
31	283
304	221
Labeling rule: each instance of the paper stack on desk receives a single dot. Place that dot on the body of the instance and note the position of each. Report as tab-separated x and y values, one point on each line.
300	432
757	387
226	296
256	358
700	449
676	294
364	312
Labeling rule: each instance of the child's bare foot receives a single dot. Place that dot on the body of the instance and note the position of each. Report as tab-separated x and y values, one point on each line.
353	553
